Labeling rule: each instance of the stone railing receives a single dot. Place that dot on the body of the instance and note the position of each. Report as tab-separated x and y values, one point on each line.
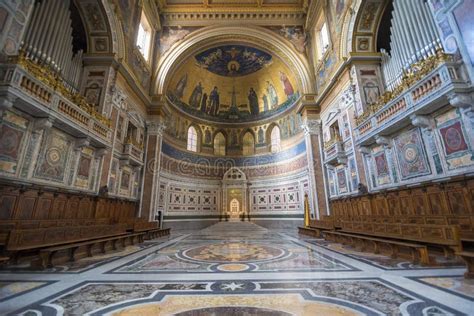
425	84
133	153
334	152
46	94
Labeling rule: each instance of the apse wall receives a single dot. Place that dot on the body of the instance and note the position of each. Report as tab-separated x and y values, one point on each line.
191	186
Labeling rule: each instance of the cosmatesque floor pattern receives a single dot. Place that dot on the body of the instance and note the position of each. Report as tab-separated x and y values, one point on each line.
237	268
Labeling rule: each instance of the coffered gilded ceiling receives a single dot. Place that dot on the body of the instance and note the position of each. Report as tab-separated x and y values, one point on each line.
207	12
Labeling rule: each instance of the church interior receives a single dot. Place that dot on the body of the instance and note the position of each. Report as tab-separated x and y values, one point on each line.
237	157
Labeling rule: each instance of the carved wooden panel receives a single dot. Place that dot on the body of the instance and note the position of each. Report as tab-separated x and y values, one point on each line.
58	208
456	202
43	206
7	206
25	208
419	206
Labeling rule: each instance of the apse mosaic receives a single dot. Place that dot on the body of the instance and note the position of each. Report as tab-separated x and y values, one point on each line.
233	83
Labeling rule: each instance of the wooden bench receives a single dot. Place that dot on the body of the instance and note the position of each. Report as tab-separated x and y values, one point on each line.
47	254
443	236
419	253
317	226
468	257
309	231
157	232
4	260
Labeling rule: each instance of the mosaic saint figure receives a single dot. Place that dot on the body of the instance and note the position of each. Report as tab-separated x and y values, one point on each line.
195	98
260	135
180	86
272	94
287	87
265	102
214	101
204	103
207	137
253	102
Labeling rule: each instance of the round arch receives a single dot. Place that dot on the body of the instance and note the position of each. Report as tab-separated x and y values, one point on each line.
199	133
361	26
212	35
103	29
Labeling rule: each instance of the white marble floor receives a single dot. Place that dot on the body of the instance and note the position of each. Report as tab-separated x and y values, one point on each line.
238	268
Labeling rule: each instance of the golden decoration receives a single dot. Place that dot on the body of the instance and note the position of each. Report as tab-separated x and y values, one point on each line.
52	79
414	74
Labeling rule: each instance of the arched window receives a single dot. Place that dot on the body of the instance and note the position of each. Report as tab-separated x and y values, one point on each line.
248	144
275	139
144	37
192	139
219	145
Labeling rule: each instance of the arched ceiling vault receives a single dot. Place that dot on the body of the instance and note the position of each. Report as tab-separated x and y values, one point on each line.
212	36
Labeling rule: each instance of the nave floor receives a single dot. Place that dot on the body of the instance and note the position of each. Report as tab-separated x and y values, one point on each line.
236	268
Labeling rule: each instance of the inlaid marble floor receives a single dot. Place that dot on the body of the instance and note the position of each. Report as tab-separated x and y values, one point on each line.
237	269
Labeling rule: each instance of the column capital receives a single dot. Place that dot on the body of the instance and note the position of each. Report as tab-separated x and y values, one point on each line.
155	127
311	126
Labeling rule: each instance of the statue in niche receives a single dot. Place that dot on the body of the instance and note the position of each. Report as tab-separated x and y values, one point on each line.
287	87
214	102
253	102
204	103
180	86
272	94
260	135
195	98
265	103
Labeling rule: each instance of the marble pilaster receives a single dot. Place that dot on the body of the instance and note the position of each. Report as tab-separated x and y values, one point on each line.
318	193
151	174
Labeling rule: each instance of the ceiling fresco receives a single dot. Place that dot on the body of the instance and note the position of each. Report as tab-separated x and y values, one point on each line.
233	83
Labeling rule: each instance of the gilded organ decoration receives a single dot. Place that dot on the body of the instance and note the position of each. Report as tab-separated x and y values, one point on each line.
233	83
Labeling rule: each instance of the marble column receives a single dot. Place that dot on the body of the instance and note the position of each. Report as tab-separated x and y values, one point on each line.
318	194
151	174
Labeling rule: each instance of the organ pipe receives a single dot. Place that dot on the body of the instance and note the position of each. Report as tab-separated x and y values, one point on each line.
48	41
413	37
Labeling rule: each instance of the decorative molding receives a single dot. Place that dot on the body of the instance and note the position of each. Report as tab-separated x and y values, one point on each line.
80	143
381	140
364	150
461	100
43	123
7	101
422	121
101	152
